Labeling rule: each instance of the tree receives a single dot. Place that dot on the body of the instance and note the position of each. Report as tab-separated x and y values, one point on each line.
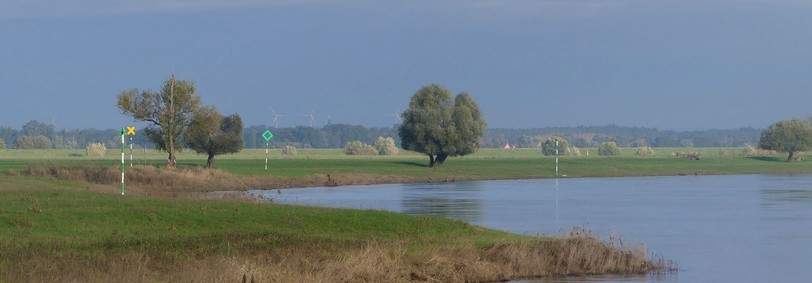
608	148
549	147
24	142
787	136
439	126
36	128
2	144
212	134
169	112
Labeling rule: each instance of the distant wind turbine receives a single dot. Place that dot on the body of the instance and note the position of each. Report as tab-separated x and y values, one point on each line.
312	119
276	118
396	115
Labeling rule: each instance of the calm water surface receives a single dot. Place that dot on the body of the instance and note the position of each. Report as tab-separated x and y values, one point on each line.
746	228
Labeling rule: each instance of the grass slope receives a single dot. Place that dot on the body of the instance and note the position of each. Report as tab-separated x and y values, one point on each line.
53	230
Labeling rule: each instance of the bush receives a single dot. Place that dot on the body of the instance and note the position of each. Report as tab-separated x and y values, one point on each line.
359	148
24	142
644	151
289	150
608	148
752	151
96	149
42	142
548	147
2	144
386	146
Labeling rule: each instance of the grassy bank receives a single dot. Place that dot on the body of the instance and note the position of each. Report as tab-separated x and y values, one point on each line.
52	230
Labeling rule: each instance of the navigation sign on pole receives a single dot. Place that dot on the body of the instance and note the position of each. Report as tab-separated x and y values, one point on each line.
131	133
267	135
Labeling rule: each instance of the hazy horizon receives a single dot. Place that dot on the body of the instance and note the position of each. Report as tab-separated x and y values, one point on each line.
687	65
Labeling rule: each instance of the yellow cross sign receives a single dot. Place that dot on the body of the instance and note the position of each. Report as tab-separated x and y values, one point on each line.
130	131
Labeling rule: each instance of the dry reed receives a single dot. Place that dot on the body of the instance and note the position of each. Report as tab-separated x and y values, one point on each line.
575	255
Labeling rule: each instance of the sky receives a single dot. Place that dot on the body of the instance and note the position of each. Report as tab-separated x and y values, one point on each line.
674	65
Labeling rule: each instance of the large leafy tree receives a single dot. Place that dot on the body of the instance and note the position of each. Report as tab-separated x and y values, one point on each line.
169	111
212	134
787	136
441	126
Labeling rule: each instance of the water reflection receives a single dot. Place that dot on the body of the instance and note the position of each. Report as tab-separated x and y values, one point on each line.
456	200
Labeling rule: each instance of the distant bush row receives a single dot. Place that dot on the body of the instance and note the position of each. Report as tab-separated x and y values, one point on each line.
383	146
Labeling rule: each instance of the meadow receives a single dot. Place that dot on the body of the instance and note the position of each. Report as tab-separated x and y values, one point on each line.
311	166
62	218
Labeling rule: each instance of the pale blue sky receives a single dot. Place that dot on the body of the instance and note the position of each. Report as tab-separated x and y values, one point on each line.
665	64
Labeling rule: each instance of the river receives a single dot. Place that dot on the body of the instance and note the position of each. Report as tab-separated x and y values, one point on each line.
739	228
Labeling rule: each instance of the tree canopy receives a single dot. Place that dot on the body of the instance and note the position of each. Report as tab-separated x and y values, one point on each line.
212	134
441	126
169	112
551	148
787	136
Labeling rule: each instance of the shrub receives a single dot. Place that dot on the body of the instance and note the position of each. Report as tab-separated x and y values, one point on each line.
752	151
644	151
2	144
548	147
608	148
24	142
359	148
96	149
386	146
42	142
289	150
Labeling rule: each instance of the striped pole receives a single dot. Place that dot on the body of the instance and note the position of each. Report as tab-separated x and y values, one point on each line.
267	146
122	161
556	158
131	151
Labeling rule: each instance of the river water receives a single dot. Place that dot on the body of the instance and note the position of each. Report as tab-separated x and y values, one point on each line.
742	228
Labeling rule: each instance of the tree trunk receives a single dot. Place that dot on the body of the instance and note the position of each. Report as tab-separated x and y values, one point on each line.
431	160
170	162
171	124
439	160
210	160
789	159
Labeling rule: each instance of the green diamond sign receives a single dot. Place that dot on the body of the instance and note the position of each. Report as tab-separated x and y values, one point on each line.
267	135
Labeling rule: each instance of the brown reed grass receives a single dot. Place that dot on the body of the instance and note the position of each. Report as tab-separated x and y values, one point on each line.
575	255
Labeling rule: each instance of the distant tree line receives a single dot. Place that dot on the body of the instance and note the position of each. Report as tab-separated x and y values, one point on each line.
593	136
329	136
338	135
36	134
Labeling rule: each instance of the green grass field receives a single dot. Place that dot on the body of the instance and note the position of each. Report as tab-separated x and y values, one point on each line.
484	164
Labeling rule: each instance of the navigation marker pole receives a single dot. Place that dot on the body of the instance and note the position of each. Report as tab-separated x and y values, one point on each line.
122	161
131	151
267	135
267	146
556	185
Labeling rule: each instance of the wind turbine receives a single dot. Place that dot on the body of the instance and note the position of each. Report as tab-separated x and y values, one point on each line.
312	119
396	115
276	118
